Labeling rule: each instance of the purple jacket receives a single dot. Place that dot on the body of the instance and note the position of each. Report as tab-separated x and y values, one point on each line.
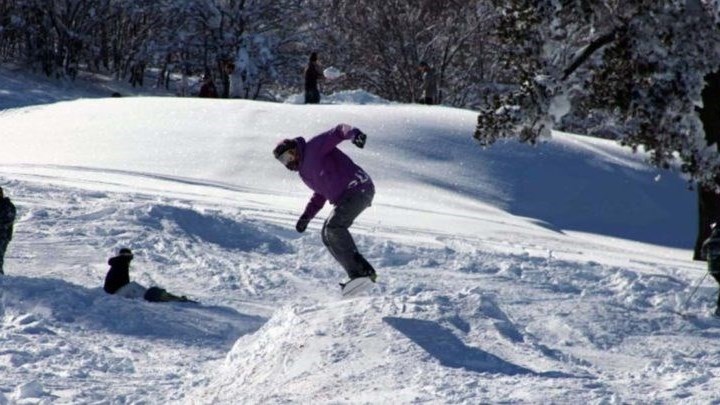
328	172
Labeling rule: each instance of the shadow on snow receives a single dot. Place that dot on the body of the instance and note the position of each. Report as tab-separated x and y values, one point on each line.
440	343
44	304
216	229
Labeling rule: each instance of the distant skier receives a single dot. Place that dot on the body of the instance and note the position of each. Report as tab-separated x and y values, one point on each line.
429	84
313	73
7	221
117	281
208	89
711	253
334	177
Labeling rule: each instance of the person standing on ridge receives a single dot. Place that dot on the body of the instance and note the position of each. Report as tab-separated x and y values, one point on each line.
333	177
313	73
429	84
7	221
208	89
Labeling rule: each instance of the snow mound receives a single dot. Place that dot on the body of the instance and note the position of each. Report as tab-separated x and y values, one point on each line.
306	352
90	340
217	229
504	275
354	97
43	307
342	97
569	183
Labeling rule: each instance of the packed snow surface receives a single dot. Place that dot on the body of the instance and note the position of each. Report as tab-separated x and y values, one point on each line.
547	274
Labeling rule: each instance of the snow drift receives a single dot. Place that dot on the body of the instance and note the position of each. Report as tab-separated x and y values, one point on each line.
515	273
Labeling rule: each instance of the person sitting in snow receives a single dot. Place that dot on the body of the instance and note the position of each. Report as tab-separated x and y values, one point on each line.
334	177
711	253
7	221
117	281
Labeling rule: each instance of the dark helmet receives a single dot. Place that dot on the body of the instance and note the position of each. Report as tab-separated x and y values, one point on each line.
284	146
125	252
290	160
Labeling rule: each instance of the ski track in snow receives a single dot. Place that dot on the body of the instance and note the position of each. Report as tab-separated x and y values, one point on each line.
519	318
506	275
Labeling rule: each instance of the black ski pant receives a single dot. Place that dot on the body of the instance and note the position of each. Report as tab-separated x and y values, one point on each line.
337	238
3	247
312	96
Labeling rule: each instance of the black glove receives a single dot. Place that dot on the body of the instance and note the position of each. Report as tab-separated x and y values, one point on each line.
302	224
360	140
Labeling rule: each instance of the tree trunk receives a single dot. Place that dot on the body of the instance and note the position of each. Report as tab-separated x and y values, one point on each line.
708	198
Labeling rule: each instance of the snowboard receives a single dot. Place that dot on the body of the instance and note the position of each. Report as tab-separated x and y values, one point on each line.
356	286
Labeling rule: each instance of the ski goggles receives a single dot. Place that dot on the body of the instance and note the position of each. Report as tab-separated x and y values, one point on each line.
287	157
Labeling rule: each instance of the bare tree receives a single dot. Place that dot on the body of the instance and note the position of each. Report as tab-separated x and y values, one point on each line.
380	43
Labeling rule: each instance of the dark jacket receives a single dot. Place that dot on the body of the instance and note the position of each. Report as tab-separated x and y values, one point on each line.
313	73
7	218
118	275
429	85
208	90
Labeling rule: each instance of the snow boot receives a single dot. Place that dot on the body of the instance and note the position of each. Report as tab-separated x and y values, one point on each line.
157	294
368	270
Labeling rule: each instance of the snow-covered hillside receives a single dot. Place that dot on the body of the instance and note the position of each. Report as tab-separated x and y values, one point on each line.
512	274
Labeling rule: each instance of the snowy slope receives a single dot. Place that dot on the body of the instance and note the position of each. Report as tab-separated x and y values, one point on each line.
546	274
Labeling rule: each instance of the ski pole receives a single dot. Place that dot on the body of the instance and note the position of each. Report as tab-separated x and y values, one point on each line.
684	307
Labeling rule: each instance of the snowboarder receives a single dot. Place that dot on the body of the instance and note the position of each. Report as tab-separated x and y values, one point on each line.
313	73
429	84
334	177
117	281
711	253
7	221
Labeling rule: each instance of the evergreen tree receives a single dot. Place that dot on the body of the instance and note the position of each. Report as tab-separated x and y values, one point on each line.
641	65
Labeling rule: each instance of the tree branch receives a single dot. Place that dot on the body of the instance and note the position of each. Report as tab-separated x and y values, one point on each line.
589	50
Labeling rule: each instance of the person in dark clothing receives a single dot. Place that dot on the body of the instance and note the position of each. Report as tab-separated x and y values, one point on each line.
711	253
208	89
429	84
313	73
117	282
7	221
708	198
137	74
708	214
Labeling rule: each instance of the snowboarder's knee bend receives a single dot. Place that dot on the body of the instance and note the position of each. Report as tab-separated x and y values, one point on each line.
323	234
331	233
